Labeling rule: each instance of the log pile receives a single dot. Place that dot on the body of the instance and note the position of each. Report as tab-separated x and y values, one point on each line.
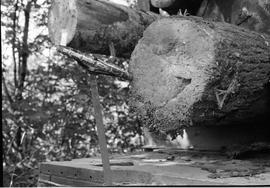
93	25
185	71
189	72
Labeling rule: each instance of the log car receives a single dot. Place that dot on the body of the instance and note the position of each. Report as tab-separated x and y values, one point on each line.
217	77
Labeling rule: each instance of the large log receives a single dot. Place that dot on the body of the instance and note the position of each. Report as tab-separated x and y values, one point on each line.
191	72
92	25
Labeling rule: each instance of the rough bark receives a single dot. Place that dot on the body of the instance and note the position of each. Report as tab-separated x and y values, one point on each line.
250	14
191	72
143	5
91	26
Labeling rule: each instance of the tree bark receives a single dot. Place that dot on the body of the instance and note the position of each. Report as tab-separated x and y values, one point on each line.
91	26
143	5
14	45
191	72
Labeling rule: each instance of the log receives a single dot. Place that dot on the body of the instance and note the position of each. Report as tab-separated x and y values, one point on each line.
92	25
191	72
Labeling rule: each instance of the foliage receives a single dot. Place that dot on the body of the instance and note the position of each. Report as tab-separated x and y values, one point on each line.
46	105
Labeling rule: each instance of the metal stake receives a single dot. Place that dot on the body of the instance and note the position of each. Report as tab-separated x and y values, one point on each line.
99	122
101	131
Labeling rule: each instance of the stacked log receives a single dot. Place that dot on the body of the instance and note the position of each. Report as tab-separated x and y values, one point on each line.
186	71
92	25
191	72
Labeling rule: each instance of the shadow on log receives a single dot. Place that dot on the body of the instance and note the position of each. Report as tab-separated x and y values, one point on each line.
189	72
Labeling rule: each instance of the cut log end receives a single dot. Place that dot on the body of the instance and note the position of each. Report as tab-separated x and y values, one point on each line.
170	66
187	71
62	19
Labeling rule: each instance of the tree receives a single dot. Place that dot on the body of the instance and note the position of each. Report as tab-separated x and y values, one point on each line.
46	106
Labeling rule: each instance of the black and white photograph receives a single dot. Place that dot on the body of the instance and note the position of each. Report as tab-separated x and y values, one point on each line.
135	93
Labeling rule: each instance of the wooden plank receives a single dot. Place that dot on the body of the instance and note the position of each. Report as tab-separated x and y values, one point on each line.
46	183
73	182
161	179
121	174
73	172
126	176
45	176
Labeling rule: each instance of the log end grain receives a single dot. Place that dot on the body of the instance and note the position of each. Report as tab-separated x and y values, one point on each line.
170	71
190	72
62	19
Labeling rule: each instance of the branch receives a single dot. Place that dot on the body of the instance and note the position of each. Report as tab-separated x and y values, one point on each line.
7	91
95	64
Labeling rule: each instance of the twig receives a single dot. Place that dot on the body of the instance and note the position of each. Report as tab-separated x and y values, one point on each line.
244	20
50	183
112	50
13	139
6	91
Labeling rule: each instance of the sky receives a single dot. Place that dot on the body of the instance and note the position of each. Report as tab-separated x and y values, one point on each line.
123	2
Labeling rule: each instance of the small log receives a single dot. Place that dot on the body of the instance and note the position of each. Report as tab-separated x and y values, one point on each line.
92	25
191	72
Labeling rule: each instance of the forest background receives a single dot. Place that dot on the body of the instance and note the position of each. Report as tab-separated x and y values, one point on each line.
47	113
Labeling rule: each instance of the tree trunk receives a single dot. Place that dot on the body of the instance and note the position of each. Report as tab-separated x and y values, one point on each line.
191	72
91	26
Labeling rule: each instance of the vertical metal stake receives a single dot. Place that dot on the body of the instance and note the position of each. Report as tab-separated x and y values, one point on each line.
101	131
99	121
